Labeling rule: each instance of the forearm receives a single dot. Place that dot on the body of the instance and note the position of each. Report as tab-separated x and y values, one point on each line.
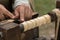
21	2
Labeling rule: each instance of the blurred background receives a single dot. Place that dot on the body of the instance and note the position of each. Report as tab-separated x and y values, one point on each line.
43	7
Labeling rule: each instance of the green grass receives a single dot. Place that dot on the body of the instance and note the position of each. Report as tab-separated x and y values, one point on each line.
44	6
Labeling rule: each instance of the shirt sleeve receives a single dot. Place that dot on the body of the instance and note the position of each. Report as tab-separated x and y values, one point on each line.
20	2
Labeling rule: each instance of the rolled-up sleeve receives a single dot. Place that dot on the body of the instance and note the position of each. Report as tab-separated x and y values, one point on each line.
20	2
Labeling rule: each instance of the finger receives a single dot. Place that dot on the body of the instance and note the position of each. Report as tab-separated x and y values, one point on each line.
28	13
16	14
2	16
22	13
7	13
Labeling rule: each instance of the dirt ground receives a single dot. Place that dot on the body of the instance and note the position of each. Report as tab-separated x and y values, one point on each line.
47	30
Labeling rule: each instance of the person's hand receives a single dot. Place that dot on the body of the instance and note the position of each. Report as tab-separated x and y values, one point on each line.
23	12
4	11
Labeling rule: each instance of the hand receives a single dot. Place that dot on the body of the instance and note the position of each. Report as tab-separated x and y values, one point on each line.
4	11
23	12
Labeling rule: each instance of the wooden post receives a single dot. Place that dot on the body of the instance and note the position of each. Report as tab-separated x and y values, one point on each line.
58	4
9	31
58	22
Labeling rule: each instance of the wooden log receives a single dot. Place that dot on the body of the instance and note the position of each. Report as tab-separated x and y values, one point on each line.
36	22
28	25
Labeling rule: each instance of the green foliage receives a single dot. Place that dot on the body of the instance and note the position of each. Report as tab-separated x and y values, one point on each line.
44	6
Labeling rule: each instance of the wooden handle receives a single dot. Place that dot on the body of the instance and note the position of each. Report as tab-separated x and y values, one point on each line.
36	22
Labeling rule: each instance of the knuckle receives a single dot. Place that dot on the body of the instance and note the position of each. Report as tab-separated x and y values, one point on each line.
1	6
